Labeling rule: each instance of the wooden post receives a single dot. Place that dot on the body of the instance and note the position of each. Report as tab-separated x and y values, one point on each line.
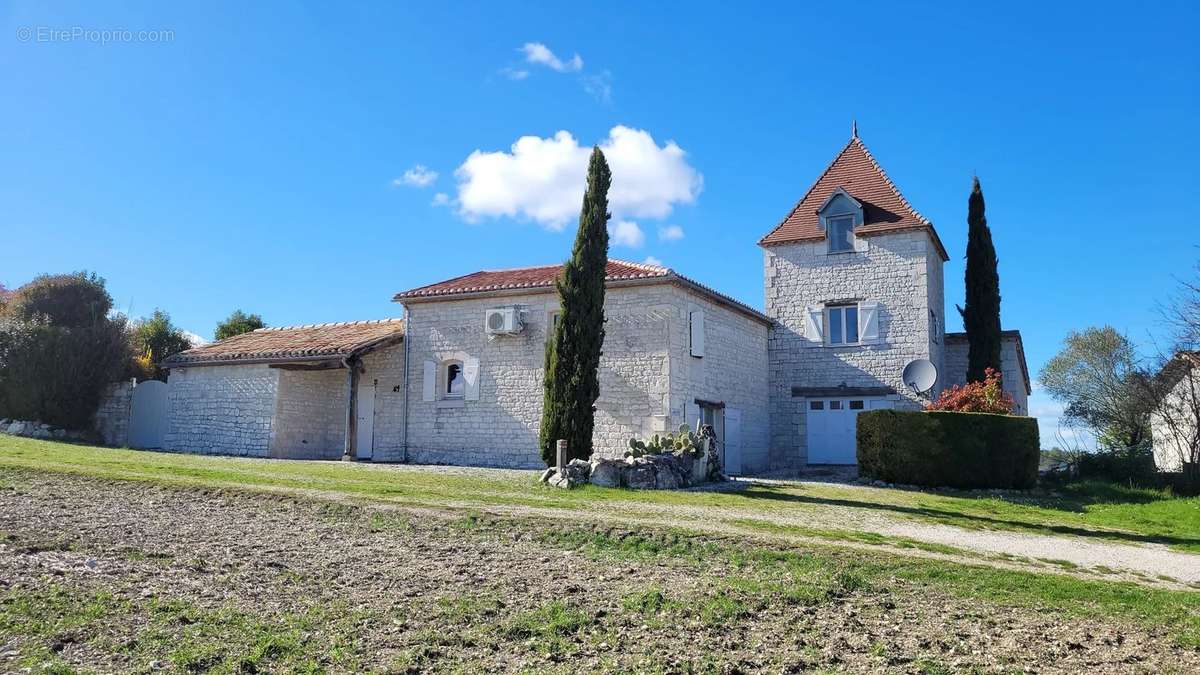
561	447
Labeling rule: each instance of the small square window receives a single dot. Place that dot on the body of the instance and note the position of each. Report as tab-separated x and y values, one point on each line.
856	405
816	405
835	405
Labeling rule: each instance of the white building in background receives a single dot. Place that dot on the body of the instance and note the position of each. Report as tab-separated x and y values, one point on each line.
854	291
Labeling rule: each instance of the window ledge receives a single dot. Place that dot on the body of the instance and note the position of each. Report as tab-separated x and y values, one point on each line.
451	403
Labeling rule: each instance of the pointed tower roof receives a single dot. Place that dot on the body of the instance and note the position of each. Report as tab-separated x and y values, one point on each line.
854	170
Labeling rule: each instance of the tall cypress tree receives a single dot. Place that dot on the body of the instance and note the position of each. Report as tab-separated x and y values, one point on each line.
981	317
571	383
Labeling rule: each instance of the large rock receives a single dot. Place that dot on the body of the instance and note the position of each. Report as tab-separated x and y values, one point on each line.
640	476
666	479
606	472
18	428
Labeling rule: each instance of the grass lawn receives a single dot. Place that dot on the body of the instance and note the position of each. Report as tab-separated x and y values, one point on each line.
1086	509
466	591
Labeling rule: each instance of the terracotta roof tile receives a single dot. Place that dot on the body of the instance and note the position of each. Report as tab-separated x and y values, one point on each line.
330	340
542	277
854	170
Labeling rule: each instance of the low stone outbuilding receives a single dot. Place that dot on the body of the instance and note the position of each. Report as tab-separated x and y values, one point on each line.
303	392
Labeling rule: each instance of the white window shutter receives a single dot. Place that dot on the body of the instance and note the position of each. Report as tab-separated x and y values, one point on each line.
868	322
733	441
429	381
697	332
471	375
814	325
691	414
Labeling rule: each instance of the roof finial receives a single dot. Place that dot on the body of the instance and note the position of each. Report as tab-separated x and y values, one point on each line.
853	128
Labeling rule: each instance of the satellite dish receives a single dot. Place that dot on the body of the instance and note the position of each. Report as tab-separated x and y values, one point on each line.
920	375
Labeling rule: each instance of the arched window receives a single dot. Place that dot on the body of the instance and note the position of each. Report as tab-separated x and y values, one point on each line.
456	384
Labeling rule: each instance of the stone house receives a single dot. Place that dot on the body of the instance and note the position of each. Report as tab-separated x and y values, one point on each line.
675	351
854	285
1175	423
286	393
854	291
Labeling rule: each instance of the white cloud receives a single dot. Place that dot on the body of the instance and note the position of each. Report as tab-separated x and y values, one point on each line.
651	260
195	339
536	52
440	199
626	233
514	73
599	86
542	179
670	233
418	177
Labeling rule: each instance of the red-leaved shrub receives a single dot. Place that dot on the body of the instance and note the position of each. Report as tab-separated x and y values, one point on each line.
978	397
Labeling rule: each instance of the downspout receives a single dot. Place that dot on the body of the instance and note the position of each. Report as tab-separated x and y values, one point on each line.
407	335
348	450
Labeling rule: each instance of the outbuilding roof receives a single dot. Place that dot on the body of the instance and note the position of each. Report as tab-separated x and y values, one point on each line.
321	341
541	277
1005	335
855	171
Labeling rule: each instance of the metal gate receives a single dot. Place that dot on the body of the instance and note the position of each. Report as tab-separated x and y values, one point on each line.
148	415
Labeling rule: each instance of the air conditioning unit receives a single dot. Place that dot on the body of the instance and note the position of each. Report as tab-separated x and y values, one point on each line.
503	321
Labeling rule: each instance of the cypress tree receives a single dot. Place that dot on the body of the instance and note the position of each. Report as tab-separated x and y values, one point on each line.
571	383
981	317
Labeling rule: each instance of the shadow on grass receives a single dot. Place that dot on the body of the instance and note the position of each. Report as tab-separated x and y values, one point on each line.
968	520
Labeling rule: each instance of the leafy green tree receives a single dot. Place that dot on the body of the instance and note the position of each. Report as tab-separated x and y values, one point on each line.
157	338
59	349
1104	390
237	323
573	353
67	300
981	316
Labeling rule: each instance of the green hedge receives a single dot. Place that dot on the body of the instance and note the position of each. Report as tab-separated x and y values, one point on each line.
954	449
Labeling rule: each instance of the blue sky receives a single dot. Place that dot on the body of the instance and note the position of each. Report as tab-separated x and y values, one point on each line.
254	155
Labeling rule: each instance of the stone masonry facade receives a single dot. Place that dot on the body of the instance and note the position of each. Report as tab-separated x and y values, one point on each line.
223	410
901	272
111	421
647	376
263	411
1013	380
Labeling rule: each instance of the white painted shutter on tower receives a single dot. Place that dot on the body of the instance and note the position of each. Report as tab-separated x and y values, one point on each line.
868	322
429	381
471	375
697	332
814	328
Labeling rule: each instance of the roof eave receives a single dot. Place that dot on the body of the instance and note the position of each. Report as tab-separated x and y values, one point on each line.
358	350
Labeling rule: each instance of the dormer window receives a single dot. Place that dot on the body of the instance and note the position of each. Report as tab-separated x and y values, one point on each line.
839	215
841	232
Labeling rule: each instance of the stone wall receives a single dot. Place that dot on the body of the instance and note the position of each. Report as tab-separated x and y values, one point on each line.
310	414
111	421
222	409
646	378
501	427
733	371
384	370
893	270
955	371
